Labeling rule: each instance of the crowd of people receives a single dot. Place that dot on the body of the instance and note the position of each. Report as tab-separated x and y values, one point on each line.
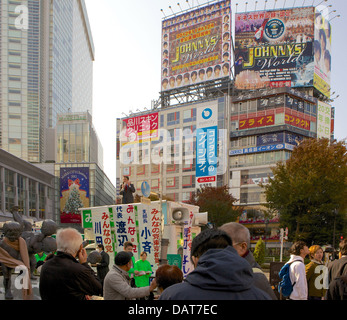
224	269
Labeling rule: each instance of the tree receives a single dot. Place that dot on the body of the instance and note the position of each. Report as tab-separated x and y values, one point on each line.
259	252
73	202
219	204
308	188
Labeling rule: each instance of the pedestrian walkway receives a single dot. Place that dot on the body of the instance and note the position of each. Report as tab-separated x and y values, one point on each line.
17	293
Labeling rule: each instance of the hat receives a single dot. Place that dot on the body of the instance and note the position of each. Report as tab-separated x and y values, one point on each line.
122	258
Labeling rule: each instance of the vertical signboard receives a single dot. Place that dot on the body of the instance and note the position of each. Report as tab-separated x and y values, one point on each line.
274	48
196	46
187	265
124	217
322	53
74	193
149	235
323	120
206	146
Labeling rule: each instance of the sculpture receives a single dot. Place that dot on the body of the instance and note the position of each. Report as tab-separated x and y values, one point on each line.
13	253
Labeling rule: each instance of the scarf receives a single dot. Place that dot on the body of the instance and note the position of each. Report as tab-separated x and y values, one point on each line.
10	262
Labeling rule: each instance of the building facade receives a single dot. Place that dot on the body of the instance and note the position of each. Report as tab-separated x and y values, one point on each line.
47	52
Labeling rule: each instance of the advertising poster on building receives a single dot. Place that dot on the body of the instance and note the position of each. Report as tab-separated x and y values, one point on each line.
322	53
196	46
206	146
274	48
323	120
149	232
140	129
124	217
74	193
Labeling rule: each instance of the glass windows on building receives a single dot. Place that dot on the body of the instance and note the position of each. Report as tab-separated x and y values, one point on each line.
9	189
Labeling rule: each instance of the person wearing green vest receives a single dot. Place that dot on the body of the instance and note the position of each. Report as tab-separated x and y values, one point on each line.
128	246
40	259
145	270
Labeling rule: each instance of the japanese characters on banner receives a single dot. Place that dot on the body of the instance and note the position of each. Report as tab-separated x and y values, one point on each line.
257	122
323	120
274	48
297	121
124	217
140	129
206	146
187	265
149	232
196	46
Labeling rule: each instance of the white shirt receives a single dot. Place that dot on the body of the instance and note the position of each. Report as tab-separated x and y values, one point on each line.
297	274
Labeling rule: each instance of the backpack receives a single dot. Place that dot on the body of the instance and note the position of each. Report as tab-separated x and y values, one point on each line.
285	286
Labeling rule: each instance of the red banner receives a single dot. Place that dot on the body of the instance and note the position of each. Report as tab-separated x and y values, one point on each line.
256	122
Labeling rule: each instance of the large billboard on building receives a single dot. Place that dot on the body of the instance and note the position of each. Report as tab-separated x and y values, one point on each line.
323	120
322	53
74	193
274	48
196	46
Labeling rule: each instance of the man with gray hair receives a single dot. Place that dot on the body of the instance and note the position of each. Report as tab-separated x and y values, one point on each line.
63	277
241	243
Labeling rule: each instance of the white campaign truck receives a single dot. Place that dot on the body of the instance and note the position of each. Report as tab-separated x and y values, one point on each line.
160	228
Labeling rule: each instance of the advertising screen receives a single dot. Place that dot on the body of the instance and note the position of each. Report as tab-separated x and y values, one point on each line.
196	46
274	48
322	53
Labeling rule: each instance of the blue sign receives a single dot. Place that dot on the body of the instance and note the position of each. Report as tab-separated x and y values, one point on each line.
145	189
271	147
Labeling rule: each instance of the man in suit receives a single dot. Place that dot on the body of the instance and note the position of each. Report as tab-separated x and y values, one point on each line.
102	266
127	191
338	267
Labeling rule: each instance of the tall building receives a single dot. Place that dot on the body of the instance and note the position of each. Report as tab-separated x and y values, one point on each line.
47	55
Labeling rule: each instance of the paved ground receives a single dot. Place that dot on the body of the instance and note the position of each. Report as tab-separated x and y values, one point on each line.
17	293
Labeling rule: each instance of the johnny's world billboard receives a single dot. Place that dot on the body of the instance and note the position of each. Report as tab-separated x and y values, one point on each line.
274	48
196	46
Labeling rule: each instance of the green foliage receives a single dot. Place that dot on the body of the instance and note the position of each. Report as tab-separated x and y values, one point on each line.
219	204
259	252
308	188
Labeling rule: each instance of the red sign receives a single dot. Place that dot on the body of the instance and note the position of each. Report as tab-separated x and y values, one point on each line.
207	179
297	121
256	122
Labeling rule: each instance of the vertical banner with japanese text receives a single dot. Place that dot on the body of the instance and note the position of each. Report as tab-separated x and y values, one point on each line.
187	265
124	217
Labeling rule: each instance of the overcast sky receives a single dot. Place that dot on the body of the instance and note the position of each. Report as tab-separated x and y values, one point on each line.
127	39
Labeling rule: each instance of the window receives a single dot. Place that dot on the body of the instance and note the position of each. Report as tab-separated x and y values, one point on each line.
173	118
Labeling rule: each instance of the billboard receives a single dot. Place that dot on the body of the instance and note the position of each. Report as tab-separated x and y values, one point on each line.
196	46
322	53
74	193
206	146
323	120
140	129
274	48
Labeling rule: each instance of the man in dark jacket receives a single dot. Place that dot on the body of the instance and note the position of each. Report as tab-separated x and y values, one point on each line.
62	276
241	243
102	267
127	191
338	267
219	274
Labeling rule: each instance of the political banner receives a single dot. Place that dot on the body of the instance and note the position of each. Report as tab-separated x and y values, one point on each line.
187	265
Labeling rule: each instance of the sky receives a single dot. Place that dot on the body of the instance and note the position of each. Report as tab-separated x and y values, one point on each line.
127	67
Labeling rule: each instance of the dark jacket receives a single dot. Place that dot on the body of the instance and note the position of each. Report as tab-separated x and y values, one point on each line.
337	268
337	289
127	193
221	274
102	267
260	280
64	278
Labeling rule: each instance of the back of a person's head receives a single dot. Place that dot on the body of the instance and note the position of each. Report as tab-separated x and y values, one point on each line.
209	239
343	247
122	258
69	240
237	232
167	275
296	247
